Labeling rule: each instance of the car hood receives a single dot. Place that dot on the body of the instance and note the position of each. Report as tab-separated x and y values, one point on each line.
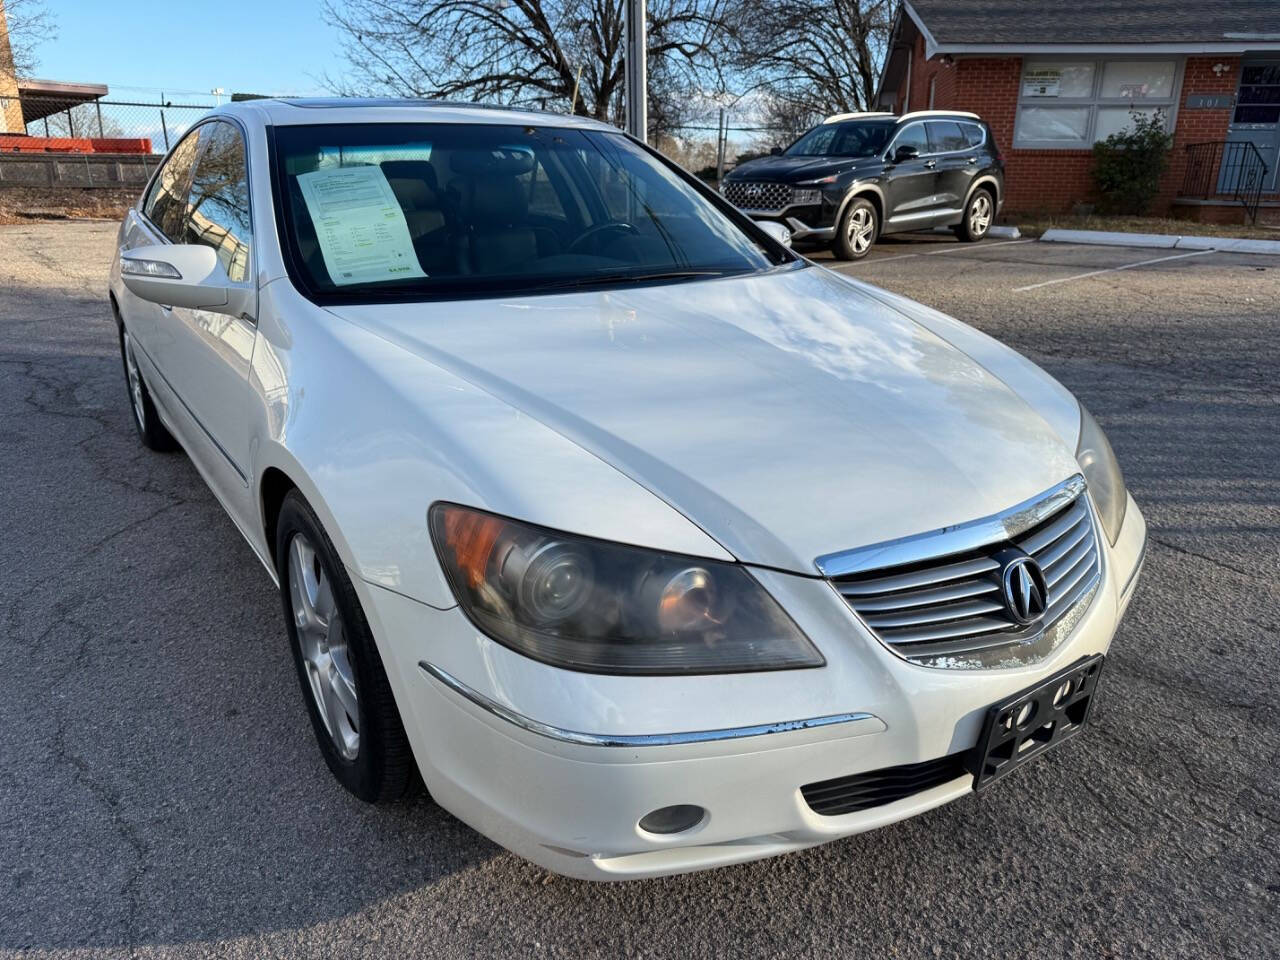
790	169
790	414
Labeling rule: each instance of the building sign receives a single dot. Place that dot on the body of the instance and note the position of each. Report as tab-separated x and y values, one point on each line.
1041	83
1210	101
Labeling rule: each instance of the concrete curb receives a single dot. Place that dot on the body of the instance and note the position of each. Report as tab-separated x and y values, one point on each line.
1161	241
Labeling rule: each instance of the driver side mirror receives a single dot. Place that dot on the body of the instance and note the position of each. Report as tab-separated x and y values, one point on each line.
775	151
183	275
905	152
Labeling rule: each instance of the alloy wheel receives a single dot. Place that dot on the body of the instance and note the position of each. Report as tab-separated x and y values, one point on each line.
323	642
135	382
862	225
980	215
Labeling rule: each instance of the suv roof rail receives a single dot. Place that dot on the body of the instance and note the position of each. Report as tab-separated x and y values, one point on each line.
939	113
837	117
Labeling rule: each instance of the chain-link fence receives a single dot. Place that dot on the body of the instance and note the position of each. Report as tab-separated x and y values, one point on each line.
61	141
151	126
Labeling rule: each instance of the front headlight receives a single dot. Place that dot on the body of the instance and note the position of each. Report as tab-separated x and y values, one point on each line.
604	607
1102	473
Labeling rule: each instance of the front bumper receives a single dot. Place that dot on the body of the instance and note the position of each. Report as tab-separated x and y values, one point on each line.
487	729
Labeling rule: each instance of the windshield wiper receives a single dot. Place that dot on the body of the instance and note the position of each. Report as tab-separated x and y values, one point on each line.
591	280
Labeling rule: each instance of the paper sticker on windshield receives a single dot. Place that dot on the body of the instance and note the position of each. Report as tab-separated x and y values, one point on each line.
361	228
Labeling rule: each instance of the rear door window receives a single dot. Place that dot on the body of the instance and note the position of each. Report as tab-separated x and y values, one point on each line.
946	135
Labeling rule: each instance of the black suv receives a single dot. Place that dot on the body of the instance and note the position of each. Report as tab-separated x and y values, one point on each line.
857	176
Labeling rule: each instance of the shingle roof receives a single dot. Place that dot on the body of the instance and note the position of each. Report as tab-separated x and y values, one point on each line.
1098	21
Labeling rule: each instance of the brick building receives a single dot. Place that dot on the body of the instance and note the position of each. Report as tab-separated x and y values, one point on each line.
1052	78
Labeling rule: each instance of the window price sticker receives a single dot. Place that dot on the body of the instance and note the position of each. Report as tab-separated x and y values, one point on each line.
361	229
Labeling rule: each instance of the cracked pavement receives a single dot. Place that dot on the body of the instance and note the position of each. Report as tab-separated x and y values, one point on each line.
160	795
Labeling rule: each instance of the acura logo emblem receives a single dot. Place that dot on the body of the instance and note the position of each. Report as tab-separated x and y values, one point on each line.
1026	596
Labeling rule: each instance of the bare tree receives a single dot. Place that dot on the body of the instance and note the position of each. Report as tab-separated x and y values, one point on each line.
817	56
549	54
29	25
785	119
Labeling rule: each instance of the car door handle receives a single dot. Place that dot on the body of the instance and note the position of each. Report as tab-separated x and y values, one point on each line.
972	160
930	164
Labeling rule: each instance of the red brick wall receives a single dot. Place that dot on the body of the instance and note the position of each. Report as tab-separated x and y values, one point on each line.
1197	126
1054	181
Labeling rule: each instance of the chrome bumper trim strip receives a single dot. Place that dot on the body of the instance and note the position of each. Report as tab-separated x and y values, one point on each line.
630	740
1137	569
956	539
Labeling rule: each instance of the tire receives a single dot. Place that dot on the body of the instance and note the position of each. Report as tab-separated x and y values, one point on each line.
979	212
348	696
857	231
153	434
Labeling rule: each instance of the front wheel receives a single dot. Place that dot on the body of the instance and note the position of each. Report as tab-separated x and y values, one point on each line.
978	215
857	230
348	696
153	434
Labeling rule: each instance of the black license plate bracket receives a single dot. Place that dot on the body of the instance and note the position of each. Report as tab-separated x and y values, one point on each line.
1033	721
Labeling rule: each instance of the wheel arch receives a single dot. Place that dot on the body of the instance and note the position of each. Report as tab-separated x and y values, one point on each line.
986	182
868	190
273	487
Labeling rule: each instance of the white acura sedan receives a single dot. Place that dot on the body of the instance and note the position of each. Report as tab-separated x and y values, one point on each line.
648	544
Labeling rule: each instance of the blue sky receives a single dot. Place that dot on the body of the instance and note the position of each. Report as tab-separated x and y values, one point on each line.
252	46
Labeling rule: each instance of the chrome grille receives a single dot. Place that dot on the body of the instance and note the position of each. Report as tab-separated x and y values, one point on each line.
950	611
758	196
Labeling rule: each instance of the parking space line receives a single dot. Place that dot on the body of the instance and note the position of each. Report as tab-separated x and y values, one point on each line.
984	246
1127	266
934	253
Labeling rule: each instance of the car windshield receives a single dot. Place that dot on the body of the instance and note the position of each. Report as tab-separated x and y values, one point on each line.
437	210
852	138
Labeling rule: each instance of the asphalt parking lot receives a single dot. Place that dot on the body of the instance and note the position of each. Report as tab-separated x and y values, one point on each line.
160	794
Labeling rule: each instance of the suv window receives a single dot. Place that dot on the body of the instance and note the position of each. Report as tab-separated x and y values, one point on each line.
853	138
166	203
974	134
912	136
946	135
218	202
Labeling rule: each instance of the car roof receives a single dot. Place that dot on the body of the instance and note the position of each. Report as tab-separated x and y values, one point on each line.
293	111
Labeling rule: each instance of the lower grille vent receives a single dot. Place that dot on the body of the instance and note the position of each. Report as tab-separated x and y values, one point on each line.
862	791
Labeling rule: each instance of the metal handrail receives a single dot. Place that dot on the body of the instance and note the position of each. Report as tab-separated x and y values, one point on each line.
1228	169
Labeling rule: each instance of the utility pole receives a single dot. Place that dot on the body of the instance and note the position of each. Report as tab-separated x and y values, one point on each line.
721	135
636	79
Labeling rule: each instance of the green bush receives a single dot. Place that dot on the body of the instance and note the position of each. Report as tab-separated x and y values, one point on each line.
1127	166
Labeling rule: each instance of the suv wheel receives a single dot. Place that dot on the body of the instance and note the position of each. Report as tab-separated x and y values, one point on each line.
978	215
857	230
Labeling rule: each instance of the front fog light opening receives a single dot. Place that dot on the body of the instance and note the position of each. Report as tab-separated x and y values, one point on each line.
668	821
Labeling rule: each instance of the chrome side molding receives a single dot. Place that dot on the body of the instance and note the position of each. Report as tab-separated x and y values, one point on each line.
633	740
956	539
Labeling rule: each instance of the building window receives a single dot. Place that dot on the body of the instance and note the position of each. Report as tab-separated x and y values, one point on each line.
1074	103
933	88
